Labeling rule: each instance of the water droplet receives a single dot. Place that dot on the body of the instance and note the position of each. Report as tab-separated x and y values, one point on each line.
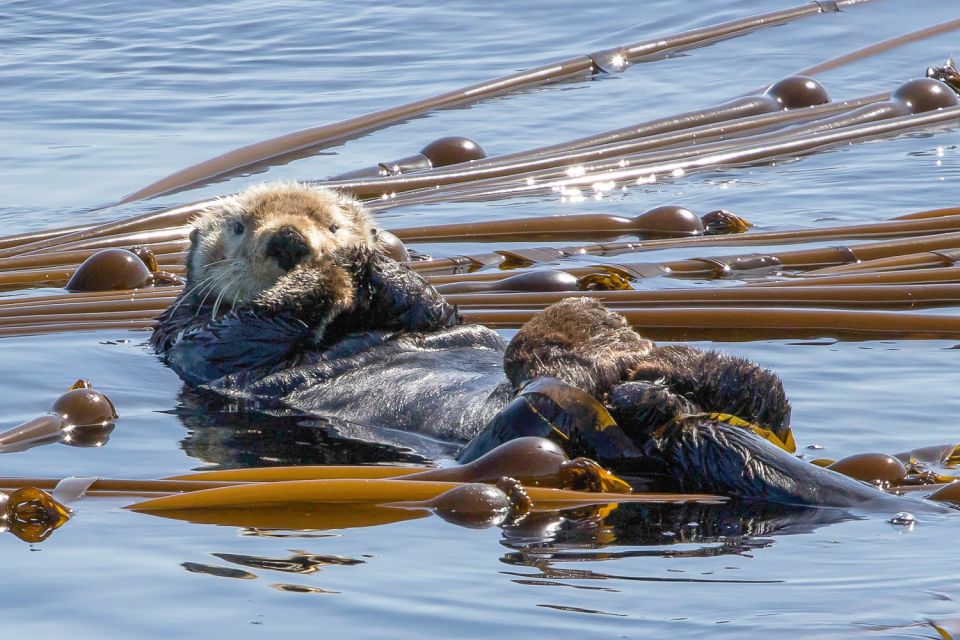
903	518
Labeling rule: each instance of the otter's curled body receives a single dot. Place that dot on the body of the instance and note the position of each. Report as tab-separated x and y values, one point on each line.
338	330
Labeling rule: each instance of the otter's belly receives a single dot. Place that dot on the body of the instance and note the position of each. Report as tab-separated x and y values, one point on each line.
446	384
449	394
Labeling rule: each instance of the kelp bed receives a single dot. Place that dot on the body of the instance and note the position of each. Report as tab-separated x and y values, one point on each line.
675	274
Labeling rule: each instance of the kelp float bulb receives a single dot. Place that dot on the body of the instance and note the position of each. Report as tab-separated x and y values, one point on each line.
439	153
476	505
110	270
82	414
925	94
876	468
796	92
392	246
947	493
668	220
453	150
530	281
84	406
528	458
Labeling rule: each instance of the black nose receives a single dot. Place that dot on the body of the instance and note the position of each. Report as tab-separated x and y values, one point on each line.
288	247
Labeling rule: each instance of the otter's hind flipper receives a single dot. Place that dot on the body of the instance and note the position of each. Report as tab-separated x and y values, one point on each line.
579	341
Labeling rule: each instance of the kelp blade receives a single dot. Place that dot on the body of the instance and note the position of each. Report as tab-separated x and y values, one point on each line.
376	491
279	474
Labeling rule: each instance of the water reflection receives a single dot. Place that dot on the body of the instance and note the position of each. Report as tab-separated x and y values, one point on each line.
540	541
299	562
237	436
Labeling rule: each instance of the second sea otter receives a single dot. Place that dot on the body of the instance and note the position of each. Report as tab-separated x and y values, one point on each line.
310	317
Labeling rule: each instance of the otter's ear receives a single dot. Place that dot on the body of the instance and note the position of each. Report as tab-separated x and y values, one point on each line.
194	235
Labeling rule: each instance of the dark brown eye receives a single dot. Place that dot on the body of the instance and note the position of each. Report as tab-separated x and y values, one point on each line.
333	228
238	228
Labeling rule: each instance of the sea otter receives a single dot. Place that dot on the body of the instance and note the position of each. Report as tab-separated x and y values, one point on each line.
289	304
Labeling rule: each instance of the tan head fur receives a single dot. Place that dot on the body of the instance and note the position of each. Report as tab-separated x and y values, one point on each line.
243	244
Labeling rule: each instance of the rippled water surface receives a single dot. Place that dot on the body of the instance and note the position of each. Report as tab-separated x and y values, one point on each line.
102	98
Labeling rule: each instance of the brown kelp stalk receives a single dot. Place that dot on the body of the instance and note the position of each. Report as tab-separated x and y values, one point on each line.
315	138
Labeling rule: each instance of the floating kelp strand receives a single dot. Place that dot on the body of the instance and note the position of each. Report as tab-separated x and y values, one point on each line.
908	296
920	260
121	486
276	474
853	56
528	185
887	278
85	317
931	213
146	222
151	221
22	278
513	229
64	327
165	236
315	138
723	266
380	491
665	221
170	252
750	324
881	47
93	296
665	133
38	236
180	215
155	305
792	99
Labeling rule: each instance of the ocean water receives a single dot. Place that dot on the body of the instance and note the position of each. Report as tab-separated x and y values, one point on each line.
103	98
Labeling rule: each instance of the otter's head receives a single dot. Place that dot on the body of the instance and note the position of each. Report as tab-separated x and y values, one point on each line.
243	244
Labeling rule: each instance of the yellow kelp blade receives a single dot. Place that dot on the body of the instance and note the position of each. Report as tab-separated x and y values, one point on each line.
279	474
340	515
790	445
377	491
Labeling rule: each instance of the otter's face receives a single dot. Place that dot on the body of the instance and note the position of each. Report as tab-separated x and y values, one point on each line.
243	244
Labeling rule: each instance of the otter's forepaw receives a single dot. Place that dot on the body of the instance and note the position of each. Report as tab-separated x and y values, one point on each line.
313	293
355	260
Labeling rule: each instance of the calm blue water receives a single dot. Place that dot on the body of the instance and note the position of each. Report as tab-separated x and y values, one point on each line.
102	98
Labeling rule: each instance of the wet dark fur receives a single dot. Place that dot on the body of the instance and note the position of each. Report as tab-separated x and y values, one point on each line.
579	341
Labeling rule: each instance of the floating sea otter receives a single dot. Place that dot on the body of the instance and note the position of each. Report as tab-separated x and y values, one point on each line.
289	301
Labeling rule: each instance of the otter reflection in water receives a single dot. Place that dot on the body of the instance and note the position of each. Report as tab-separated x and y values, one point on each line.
289	304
